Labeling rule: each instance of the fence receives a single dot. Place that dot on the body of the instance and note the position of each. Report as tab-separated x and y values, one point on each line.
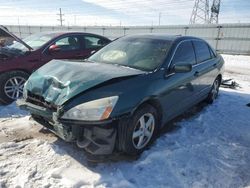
225	38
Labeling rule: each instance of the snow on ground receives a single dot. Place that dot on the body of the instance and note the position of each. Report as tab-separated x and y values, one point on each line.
11	111
209	146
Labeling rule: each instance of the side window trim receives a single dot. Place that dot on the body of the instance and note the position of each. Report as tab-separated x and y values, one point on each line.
172	57
211	52
196	61
177	47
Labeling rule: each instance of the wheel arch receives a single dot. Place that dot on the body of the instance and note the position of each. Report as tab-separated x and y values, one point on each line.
155	103
16	70
123	136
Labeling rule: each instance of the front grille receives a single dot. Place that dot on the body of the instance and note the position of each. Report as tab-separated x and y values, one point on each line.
40	101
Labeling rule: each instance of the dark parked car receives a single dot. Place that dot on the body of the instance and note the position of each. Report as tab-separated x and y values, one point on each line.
121	97
20	59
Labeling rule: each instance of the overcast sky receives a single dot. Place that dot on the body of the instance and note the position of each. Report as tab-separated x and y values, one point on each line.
113	12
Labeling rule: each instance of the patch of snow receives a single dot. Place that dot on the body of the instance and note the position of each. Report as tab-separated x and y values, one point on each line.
208	149
40	165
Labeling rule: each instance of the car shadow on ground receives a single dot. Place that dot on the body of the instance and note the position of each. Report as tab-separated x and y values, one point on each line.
11	110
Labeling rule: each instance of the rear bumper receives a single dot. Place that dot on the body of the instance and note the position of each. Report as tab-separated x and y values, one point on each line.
97	138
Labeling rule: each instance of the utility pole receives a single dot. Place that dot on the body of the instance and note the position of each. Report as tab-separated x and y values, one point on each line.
160	18
61	20
75	20
19	27
200	13
215	10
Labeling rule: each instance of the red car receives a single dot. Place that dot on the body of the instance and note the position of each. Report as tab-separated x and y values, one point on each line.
20	59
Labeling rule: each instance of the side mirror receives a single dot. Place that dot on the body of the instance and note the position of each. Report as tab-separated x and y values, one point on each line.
54	48
182	68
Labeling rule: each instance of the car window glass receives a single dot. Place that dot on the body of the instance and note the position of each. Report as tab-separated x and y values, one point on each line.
211	52
68	43
92	42
184	54
135	52
202	51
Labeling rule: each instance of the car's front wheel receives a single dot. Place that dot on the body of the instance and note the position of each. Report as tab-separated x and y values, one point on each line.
11	85
140	131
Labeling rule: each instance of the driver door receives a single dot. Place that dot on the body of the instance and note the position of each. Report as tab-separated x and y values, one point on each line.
180	87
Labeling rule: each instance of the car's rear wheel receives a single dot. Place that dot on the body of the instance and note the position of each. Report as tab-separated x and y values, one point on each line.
11	85
213	94
139	132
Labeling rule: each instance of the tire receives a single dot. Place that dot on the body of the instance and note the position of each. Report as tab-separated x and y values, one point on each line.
213	94
133	138
11	85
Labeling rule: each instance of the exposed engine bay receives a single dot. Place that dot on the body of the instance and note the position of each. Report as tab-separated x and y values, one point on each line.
7	53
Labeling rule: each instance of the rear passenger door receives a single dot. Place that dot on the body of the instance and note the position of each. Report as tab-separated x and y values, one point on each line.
205	66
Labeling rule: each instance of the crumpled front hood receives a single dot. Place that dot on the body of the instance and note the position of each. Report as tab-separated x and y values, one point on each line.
60	80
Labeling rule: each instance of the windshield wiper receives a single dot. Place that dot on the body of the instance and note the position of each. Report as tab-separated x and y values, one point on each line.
116	64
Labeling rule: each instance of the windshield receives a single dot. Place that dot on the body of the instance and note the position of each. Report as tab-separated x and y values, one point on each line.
34	41
140	53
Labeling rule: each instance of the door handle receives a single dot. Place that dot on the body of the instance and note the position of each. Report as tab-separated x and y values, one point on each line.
215	65
196	74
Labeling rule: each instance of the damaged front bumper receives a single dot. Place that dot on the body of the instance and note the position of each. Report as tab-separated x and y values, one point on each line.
97	138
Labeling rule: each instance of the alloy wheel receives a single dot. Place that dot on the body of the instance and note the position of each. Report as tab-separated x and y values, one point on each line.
215	89
14	87
143	131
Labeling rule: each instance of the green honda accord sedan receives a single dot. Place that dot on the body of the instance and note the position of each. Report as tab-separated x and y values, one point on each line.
119	98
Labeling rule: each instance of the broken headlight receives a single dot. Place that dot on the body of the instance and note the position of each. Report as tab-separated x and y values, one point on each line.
99	109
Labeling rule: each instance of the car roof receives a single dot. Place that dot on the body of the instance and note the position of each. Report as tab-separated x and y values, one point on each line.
59	33
162	36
